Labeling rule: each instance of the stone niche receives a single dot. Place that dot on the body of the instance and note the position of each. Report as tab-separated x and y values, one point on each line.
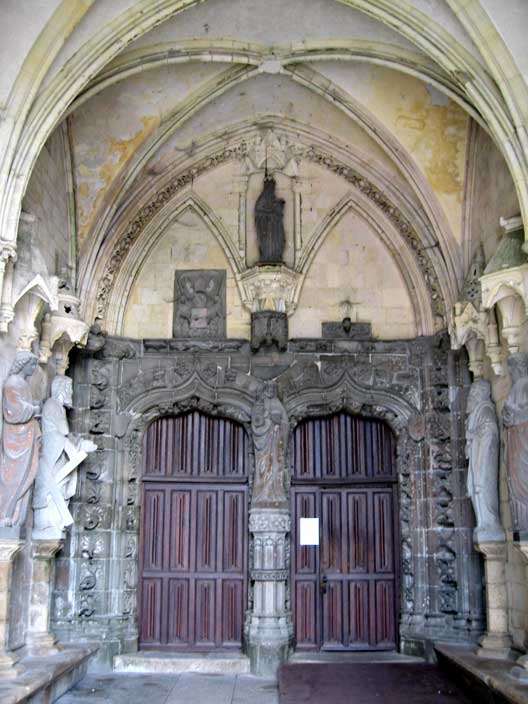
418	387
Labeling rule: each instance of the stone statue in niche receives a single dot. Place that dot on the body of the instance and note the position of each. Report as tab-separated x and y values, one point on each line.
482	451
269	215
270	428
200	304
515	419
61	455
20	441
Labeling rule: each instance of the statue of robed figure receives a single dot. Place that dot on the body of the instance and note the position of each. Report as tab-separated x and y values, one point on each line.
61	454
515	419
270	428
482	450
269	213
20	441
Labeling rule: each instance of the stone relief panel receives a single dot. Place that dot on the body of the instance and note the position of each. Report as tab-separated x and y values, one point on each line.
200	304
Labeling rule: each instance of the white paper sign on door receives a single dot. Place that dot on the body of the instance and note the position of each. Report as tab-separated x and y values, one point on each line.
309	531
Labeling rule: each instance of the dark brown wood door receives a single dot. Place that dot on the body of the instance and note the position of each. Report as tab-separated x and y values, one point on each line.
194	534
344	592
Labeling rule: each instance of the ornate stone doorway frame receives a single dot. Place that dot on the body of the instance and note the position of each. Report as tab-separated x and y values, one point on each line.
122	388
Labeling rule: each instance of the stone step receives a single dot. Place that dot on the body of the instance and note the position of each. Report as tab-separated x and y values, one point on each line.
364	657
170	663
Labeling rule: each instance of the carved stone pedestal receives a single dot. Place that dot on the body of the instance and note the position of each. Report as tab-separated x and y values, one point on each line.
496	643
270	621
8	661
39	639
520	671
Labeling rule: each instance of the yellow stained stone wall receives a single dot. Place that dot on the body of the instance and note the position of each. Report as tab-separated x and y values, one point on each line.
354	266
186	244
430	126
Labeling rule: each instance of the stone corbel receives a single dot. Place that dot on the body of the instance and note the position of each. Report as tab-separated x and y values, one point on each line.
476	330
61	331
29	303
271	288
7	260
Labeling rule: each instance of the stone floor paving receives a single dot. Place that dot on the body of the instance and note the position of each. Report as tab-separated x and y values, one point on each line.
187	688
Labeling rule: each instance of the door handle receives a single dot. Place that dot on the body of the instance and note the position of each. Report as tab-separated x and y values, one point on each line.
324	583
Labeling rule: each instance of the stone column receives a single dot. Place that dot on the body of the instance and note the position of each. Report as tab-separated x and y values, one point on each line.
520	671
270	623
8	549
39	638
496	642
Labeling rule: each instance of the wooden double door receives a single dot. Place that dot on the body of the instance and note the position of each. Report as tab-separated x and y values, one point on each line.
344	591
194	534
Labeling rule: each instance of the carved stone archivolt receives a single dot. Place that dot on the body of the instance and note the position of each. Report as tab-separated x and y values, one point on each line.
286	294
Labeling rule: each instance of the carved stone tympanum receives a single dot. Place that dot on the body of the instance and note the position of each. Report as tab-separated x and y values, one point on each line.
269	212
200	304
20	441
61	454
482	449
270	427
515	418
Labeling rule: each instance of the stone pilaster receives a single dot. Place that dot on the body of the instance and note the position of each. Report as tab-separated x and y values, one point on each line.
520	671
270	622
39	638
496	642
8	549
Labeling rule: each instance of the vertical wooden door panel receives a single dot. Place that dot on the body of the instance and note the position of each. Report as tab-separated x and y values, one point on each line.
344	592
151	594
305	613
154	510
178	611
179	538
194	534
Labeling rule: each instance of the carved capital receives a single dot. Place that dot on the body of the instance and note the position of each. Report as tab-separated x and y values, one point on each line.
508	290
61	331
9	548
266	520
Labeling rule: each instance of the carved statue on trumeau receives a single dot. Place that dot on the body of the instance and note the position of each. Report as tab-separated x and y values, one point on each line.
515	419
270	427
61	454
269	214
20	441
482	450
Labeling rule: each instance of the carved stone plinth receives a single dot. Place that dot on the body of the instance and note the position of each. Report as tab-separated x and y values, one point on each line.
520	671
270	622
8	661
496	642
39	638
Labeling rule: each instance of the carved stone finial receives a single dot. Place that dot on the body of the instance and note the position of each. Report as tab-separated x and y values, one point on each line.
269	212
471	291
20	441
482	450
